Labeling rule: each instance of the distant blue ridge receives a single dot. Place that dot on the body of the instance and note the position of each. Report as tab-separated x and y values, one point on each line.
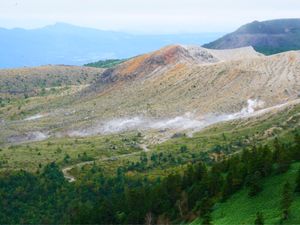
63	43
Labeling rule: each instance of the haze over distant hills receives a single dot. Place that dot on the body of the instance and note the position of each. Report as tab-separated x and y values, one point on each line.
68	44
63	43
268	37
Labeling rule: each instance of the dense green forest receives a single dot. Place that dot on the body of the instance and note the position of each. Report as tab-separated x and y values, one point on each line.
108	63
97	198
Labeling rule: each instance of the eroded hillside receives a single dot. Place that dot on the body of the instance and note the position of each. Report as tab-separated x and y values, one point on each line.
174	88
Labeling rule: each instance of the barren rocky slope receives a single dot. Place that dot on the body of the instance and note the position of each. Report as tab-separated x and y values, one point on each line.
177	87
216	81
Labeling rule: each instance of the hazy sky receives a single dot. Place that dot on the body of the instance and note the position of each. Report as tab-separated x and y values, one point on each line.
150	16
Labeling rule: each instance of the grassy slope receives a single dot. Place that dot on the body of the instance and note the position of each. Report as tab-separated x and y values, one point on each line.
244	132
31	80
109	63
247	130
241	209
238	134
29	156
234	134
17	108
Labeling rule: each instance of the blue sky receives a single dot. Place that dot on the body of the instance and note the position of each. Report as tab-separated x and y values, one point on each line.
146	16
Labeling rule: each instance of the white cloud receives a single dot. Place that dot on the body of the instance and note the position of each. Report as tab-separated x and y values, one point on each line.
145	16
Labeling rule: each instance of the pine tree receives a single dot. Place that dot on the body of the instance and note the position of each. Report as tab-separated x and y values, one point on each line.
207	220
228	187
259	219
266	160
286	200
297	147
215	183
204	208
297	188
255	186
281	156
297	139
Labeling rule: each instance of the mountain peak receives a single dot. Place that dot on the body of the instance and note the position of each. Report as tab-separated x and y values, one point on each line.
267	37
172	56
61	26
167	56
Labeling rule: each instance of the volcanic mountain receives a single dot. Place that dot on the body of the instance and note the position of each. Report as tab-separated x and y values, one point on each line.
267	37
175	87
165	59
190	78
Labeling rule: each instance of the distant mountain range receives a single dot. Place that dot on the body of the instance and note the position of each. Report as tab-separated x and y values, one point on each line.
68	44
72	45
268	37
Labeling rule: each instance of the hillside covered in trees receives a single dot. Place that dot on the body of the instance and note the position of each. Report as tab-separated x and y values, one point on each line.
46	197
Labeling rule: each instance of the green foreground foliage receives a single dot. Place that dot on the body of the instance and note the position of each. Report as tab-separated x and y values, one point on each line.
265	206
195	191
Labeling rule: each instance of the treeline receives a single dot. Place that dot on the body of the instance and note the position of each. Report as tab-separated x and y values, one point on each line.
108	63
47	197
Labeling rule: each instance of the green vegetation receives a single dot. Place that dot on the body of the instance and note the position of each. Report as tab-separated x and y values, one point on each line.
227	137
273	50
195	190
267	37
242	209
40	81
297	188
259	219
108	63
176	181
213	143
286	201
66	151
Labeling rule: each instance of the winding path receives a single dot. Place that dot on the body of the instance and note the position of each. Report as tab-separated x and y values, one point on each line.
144	147
71	178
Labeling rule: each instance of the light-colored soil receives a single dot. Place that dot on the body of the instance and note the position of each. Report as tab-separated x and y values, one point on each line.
170	83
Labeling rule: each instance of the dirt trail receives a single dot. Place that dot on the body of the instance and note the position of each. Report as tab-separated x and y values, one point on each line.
145	148
71	178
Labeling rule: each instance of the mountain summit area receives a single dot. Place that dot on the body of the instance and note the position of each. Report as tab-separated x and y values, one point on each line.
268	37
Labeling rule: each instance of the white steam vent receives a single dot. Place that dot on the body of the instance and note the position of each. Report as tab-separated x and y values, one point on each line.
253	105
186	122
